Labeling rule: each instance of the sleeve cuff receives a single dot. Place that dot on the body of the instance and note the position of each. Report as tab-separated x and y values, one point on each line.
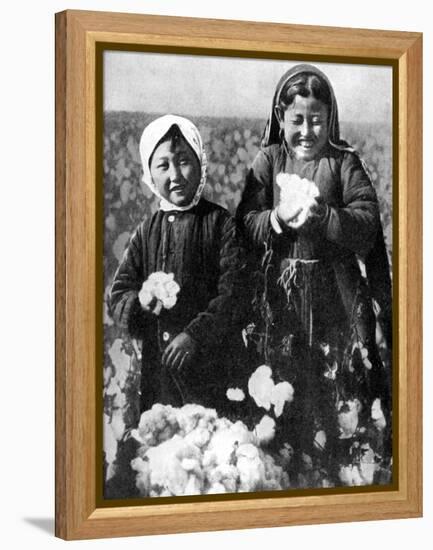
275	223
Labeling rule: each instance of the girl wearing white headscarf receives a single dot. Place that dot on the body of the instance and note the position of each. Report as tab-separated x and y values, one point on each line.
186	342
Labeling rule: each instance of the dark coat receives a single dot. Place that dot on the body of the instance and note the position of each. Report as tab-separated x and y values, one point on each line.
347	224
199	247
325	303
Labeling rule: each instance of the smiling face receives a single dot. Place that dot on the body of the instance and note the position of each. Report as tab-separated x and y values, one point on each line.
305	126
175	171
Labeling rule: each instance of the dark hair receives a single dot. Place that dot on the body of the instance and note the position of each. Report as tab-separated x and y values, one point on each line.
174	135
304	84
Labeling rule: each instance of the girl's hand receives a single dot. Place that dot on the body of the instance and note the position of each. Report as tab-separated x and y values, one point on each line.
179	353
314	215
148	301
298	221
285	214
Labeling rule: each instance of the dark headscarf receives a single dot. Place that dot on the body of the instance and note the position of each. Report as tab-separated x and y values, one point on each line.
272	135
376	261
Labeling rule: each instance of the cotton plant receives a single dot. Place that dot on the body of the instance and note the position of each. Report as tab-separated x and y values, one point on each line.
271	397
265	429
190	450
265	394
363	468
116	377
348	417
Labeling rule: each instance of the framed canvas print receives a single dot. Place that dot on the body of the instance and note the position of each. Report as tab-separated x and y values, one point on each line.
238	274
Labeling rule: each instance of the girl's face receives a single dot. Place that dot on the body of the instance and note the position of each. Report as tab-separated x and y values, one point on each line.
175	171
305	126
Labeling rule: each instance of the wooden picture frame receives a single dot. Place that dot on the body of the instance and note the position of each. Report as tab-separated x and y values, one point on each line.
79	514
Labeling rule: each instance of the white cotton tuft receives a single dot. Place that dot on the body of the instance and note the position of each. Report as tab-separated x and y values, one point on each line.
377	415
297	196
265	429
161	286
235	394
281	393
348	417
192	451
260	386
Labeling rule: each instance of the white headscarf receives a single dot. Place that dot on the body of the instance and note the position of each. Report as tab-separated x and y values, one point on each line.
150	138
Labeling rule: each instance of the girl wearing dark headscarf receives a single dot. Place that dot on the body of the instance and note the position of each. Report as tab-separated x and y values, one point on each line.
310	214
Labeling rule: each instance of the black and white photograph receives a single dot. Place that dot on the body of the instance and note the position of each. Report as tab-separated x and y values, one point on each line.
247	296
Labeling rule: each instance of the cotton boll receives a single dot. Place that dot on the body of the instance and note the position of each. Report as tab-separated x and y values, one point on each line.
348	417
167	472
251	473
158	422
377	415
165	433
247	450
367	465
265	430
209	459
119	401
208	420
345	475
199	437
229	477
296	195
280	394
222	424
172	287
231	484
145	296
291	195
169	302
350	475
235	394
223	445
190	464
260	386
205	454
188	452
162	286
214	475
227	438
120	360
188	416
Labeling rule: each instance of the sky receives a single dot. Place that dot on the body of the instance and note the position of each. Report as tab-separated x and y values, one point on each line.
218	86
